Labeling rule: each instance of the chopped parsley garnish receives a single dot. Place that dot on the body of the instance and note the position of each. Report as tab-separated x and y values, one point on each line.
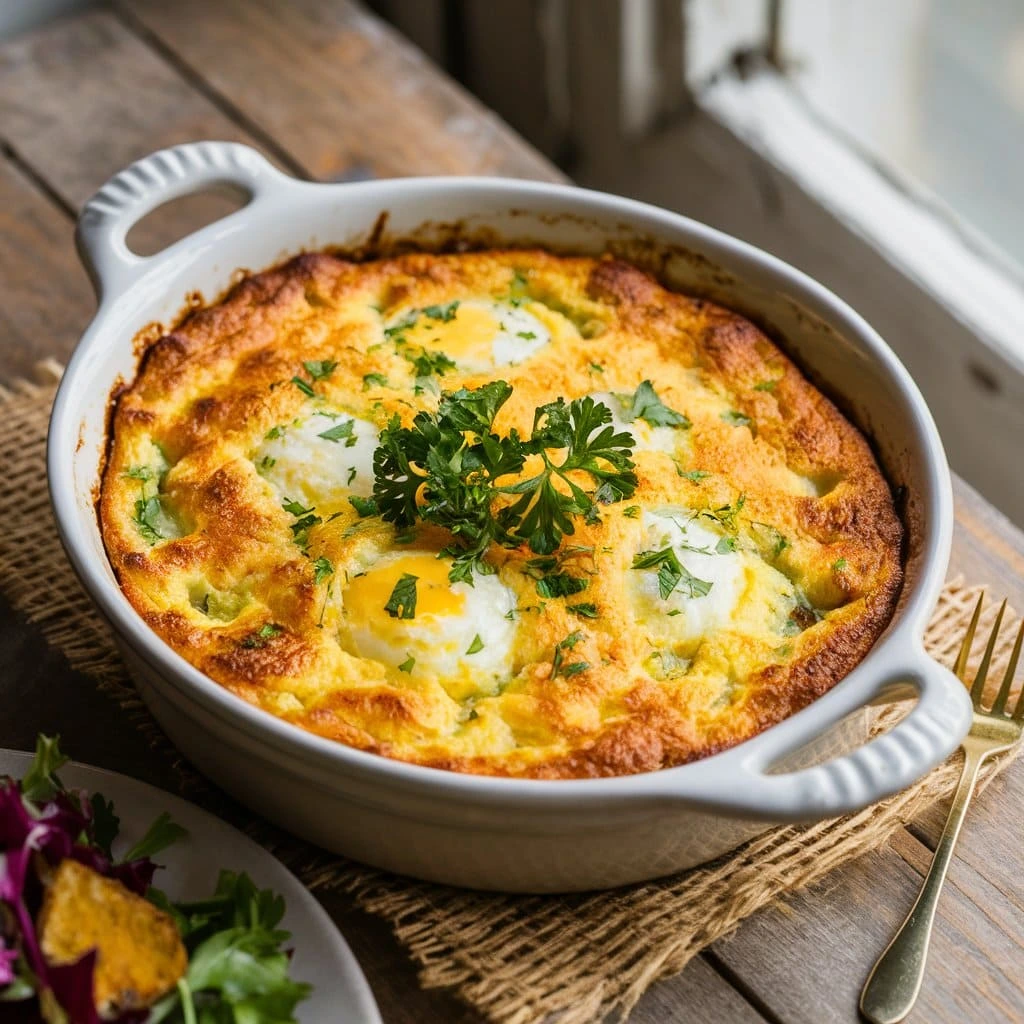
558	666
672	665
263	635
402	602
364	506
725	545
273	433
839	565
725	515
647	406
444	312
765	385
305	520
671	573
737	419
445	468
148	508
476	645
322	568
374	380
147	515
341	432
770	537
266	463
526	335
304	387
551	580
352	474
560	584
427	363
396	330
320	369
597	368
408	664
584	611
631	512
693	475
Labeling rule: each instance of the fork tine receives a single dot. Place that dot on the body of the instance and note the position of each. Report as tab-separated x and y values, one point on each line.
999	705
1018	715
986	659
960	666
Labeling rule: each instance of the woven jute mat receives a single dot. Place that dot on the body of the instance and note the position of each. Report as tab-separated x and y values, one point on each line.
520	959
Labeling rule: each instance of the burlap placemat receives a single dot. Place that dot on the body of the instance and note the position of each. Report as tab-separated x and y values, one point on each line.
518	959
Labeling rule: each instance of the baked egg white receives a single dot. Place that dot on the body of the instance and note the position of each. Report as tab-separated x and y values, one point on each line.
319	459
458	634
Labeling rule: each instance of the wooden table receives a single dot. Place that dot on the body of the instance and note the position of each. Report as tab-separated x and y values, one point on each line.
331	93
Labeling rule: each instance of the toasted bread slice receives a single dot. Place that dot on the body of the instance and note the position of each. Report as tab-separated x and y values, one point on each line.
140	955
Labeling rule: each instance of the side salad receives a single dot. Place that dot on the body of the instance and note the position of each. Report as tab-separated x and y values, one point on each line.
85	938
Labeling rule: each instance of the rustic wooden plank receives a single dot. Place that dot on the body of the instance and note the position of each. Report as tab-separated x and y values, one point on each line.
47	299
981	542
339	89
991	838
83	97
807	960
699	994
987	547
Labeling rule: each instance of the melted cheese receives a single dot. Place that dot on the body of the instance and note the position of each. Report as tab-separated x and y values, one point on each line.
247	539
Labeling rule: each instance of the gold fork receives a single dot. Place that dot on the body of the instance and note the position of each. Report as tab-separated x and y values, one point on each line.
894	982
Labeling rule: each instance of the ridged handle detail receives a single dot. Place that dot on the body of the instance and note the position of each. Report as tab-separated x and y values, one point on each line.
167	174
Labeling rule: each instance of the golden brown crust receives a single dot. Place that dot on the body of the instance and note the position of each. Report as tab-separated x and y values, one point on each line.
209	391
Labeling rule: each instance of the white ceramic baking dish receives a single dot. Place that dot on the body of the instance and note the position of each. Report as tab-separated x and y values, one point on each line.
495	833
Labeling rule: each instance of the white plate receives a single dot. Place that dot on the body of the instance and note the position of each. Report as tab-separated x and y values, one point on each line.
322	958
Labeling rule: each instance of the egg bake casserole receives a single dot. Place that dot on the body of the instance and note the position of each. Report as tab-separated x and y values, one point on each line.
500	512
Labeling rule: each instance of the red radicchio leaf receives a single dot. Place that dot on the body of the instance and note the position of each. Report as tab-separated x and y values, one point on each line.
15	822
7	959
13	870
72	987
136	875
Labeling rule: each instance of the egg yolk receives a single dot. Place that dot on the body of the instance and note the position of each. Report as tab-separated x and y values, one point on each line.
466	337
366	595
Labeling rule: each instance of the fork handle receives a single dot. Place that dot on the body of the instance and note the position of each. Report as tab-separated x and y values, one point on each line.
895	980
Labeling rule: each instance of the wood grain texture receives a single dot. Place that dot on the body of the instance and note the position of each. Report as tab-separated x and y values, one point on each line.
83	98
329	91
47	298
339	89
808	958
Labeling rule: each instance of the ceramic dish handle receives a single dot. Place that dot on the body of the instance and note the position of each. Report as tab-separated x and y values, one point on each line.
148	183
879	768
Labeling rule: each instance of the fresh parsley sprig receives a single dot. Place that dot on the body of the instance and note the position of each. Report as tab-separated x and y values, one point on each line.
671	573
559	667
647	406
544	512
445	470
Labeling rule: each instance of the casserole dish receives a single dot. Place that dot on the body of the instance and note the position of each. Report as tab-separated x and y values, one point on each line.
487	832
